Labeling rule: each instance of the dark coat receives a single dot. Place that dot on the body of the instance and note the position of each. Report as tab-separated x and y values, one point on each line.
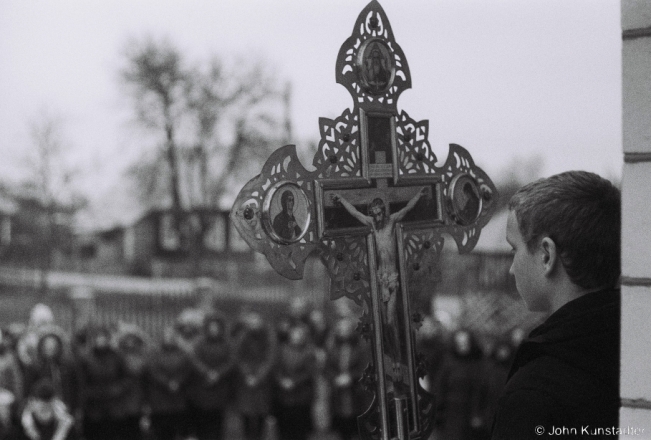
104	381
458	389
59	368
294	375
167	373
347	358
211	385
566	374
256	357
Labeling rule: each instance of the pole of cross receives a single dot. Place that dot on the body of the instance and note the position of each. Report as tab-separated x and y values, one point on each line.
374	209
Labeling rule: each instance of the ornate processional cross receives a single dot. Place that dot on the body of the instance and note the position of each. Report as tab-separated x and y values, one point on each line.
375	209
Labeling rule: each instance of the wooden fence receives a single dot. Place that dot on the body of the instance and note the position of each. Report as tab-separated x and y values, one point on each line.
151	304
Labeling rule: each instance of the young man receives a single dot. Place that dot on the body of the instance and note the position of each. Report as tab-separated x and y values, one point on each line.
565	234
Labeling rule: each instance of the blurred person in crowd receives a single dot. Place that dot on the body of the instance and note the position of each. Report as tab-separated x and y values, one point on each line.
496	370
516	336
256	353
565	231
211	389
294	384
458	388
132	346
80	341
430	341
8	426
189	325
104	379
319	327
39	317
13	333
167	373
11	387
45	416
346	360
298	314
54	362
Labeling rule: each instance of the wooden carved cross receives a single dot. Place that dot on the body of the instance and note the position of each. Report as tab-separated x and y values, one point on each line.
375	209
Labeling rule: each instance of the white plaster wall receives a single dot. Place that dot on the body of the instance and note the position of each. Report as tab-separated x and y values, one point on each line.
636	14
636	222
636	94
636	343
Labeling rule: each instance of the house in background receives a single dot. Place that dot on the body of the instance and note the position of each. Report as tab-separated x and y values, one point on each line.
201	242
8	209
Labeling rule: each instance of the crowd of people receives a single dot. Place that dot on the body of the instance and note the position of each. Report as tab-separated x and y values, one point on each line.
466	378
291	379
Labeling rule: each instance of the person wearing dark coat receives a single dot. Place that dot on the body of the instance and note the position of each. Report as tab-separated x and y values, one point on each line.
431	343
132	347
458	388
495	371
104	380
210	390
167	373
11	389
345	363
294	380
563	374
53	362
256	354
565	233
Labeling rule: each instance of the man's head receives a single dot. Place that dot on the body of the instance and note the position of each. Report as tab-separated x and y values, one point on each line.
377	211
568	223
287	201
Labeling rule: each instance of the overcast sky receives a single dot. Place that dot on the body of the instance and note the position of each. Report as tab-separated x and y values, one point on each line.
503	78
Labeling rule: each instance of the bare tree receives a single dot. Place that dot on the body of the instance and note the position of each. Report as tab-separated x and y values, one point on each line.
214	120
201	112
156	80
50	182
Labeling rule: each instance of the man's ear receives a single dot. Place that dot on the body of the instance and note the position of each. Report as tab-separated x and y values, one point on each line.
549	255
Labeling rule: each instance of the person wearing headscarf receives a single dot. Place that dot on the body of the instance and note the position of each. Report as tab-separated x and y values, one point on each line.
54	362
167	373
132	347
294	380
104	380
211	389
45	416
459	388
11	388
40	316
256	354
345	363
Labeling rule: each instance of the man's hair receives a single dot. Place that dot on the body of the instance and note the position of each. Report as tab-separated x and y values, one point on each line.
377	202
581	213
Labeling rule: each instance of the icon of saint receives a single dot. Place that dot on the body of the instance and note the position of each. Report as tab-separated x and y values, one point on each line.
285	224
468	203
376	69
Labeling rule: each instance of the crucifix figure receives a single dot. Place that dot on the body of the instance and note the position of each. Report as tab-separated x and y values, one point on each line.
374	209
383	226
